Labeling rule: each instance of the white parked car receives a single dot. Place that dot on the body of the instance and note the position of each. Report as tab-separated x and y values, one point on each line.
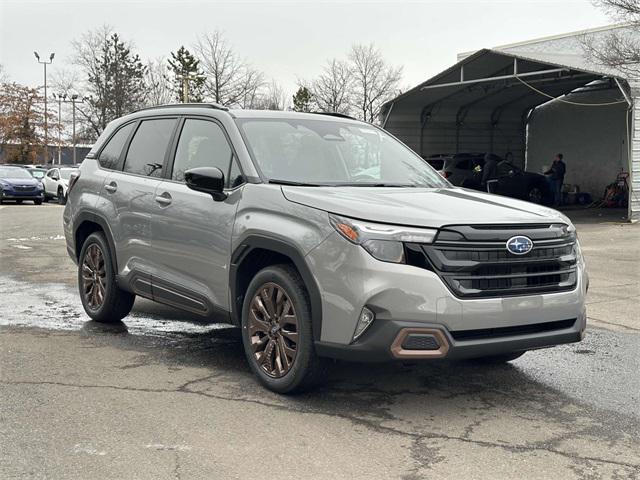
56	184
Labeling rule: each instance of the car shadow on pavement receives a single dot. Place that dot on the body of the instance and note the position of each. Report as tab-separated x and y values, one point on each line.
449	396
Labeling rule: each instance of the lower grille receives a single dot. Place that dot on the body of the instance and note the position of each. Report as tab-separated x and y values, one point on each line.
486	333
473	260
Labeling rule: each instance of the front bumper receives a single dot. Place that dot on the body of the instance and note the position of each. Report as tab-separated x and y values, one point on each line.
377	344
18	195
404	297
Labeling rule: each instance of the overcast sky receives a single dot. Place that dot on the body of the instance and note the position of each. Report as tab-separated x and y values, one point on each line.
288	39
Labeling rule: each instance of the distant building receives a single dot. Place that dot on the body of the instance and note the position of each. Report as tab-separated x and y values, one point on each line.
8	151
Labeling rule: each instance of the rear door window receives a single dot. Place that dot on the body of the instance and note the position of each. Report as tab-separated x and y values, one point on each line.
148	147
110	155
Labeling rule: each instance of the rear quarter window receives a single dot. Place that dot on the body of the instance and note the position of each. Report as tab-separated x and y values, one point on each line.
110	155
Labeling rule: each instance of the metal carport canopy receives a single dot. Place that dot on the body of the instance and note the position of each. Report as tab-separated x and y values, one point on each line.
482	103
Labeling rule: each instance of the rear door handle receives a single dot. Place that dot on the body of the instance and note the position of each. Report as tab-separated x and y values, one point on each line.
111	187
164	199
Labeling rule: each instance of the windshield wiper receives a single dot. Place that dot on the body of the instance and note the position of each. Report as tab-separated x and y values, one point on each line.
376	184
294	183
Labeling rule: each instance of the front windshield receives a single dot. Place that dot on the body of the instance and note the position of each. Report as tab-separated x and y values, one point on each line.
326	152
65	173
14	172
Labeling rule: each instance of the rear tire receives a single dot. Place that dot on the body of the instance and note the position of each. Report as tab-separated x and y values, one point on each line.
498	359
101	297
277	332
536	194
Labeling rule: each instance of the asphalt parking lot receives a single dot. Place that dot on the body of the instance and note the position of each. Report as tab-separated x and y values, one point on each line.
163	396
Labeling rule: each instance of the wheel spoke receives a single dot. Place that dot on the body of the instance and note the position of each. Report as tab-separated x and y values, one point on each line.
258	343
282	348
257	325
267	299
293	336
257	301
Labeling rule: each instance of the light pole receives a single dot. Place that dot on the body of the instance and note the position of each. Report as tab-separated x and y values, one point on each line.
74	100
61	97
185	77
46	124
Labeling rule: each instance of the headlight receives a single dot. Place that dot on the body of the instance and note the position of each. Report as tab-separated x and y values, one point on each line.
383	242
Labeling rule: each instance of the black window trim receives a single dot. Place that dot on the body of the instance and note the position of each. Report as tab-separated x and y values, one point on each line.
173	147
127	145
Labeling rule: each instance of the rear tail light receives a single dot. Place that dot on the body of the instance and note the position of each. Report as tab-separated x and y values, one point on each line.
73	178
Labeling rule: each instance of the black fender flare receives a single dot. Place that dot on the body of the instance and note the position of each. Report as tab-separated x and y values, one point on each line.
102	222
282	247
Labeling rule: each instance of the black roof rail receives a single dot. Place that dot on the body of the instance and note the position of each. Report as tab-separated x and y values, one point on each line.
187	105
335	114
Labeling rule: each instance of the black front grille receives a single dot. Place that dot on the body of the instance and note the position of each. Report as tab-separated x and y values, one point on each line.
473	260
24	188
486	333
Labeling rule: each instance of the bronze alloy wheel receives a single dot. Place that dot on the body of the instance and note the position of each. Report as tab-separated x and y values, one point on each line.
273	330
94	274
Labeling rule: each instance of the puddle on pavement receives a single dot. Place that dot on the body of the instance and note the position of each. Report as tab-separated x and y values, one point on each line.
57	307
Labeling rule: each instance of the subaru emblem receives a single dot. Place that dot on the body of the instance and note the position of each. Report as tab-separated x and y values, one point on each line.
519	245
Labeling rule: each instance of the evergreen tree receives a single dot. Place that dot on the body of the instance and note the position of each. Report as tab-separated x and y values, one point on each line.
302	100
186	68
114	77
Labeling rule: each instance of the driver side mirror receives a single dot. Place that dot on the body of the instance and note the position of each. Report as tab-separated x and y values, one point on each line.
207	180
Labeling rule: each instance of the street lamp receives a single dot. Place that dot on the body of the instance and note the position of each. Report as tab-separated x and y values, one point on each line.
74	100
62	97
185	77
46	124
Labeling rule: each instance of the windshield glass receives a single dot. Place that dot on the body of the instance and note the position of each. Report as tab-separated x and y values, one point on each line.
323	152
14	172
65	173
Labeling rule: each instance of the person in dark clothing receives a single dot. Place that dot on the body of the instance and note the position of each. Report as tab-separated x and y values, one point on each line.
489	170
556	178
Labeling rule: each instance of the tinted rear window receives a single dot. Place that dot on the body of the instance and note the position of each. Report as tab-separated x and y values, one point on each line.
110	154
148	146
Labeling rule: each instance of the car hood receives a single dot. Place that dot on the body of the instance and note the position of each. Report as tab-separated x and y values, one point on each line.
20	181
421	207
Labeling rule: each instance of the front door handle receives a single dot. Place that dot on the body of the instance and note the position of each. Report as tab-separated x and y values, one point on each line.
111	187
164	199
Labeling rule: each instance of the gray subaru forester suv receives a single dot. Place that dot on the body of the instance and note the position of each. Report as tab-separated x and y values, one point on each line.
321	237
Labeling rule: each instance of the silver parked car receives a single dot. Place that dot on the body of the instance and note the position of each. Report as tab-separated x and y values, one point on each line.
320	236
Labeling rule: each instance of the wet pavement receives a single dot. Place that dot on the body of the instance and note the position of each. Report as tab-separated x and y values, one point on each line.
165	396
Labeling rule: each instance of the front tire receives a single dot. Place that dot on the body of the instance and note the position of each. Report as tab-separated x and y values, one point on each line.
101	297
61	197
535	194
277	332
38	202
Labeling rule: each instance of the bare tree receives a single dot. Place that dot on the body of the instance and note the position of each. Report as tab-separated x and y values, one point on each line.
252	87
332	91
159	90
4	77
619	49
113	76
273	98
374	82
230	80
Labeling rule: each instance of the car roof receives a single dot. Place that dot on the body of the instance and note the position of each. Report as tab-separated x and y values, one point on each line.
200	108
